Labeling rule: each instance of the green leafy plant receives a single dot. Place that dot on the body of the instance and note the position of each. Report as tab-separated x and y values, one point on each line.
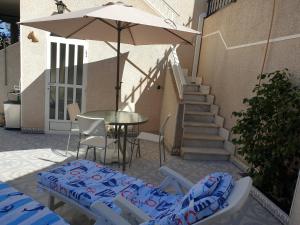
267	136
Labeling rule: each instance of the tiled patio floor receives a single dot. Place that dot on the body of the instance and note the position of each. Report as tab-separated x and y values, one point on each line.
23	155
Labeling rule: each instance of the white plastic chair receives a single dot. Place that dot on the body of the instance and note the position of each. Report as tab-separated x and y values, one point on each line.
73	111
153	138
95	134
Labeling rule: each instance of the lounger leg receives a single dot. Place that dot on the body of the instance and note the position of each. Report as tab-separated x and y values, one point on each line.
51	202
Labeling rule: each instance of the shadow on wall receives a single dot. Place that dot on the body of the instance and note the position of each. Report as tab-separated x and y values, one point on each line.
101	83
144	98
150	100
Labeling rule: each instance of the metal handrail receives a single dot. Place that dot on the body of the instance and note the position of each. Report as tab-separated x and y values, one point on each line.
177	73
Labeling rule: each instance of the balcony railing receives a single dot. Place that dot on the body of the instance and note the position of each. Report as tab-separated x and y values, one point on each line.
164	9
215	5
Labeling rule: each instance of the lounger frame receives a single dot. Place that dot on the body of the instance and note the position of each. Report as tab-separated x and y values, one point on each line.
102	214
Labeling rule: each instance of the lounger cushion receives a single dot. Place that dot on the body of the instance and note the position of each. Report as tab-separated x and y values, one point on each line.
203	200
18	208
86	182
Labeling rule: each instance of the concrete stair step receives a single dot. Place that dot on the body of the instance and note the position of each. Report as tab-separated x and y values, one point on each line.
204	153
194	93
202	140
199	124
197	106
195	96
196	116
191	87
200	128
207	137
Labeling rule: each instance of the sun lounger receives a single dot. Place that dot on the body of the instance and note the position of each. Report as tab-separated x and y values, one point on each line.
18	208
111	197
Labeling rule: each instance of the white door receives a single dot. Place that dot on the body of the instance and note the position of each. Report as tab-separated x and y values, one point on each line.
65	80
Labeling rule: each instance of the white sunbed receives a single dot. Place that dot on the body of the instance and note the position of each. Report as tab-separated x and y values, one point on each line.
99	211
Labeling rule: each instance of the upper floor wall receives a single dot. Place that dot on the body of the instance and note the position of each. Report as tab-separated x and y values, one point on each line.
234	44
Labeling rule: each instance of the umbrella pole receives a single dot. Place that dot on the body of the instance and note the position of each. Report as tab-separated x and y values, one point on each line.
118	86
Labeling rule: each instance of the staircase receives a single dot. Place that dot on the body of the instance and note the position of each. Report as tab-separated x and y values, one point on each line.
204	137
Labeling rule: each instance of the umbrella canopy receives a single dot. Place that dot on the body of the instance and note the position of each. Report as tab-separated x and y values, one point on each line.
115	22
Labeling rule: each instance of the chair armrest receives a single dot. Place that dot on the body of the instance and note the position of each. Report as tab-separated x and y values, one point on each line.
107	215
175	180
130	211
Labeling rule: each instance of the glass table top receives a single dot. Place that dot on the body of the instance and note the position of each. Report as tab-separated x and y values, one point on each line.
121	117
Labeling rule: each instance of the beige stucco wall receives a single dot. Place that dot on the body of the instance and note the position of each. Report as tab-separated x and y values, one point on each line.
143	70
170	106
231	68
12	69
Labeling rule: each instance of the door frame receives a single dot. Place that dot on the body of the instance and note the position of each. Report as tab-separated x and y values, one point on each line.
66	41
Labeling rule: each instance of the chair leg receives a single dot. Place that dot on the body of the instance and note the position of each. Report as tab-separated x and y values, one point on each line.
86	153
104	156
138	150
159	147
78	146
131	149
68	143
95	154
164	150
118	154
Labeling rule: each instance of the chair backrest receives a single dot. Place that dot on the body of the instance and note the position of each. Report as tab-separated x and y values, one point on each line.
236	200
294	213
73	111
91	127
163	126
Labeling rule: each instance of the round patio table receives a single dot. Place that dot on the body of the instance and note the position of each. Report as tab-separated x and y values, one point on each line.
119	118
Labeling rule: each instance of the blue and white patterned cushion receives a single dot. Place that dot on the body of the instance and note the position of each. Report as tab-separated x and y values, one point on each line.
17	208
203	200
86	182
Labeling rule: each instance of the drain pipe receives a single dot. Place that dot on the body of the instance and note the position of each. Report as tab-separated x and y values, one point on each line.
197	47
5	65
268	42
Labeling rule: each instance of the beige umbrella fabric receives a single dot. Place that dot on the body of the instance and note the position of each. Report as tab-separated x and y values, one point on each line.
115	22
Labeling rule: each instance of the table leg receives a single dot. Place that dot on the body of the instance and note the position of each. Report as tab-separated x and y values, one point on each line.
124	148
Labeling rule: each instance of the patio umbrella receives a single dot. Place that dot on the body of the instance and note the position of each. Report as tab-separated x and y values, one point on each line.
115	22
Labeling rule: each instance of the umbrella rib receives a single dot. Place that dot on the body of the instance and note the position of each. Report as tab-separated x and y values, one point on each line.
130	25
131	36
79	29
107	23
178	36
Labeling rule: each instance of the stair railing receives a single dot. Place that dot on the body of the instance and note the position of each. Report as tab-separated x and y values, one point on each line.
177	72
163	8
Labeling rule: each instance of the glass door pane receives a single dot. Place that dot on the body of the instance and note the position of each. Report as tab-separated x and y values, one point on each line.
52	102
53	62
71	64
62	63
61	103
79	65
